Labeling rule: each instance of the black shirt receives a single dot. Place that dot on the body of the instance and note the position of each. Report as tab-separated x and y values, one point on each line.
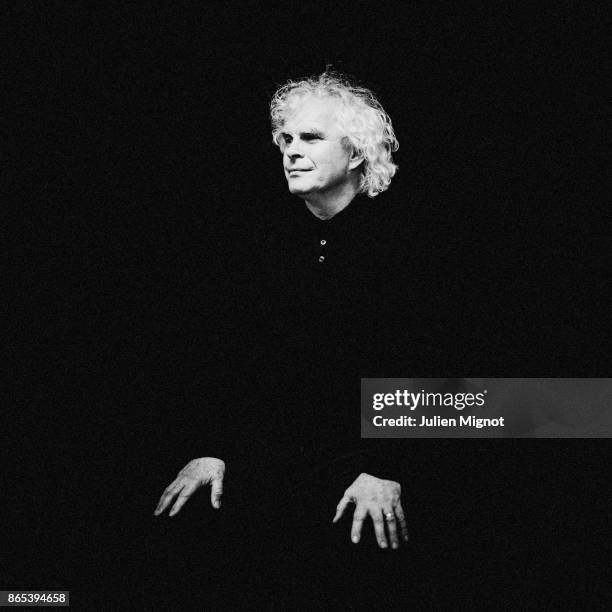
318	306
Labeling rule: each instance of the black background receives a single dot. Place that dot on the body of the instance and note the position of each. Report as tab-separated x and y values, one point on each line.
144	165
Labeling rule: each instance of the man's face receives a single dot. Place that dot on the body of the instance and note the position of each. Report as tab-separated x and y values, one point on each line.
314	159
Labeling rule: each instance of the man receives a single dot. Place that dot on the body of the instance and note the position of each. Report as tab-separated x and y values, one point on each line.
320	294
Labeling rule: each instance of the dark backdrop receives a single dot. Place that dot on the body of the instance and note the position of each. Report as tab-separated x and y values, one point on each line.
145	165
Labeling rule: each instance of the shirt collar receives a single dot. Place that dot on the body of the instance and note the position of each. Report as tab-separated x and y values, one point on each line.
350	219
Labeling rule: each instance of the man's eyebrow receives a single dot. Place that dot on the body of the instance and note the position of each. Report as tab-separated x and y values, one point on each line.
312	132
308	132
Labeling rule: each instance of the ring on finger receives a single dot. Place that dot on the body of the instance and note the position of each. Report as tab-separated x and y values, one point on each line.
389	516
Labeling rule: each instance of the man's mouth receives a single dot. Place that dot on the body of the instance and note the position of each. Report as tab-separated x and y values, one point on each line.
290	170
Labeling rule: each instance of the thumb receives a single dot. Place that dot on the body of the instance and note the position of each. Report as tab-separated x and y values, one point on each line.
216	491
344	502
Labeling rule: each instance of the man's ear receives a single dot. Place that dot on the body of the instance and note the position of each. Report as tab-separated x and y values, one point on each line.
356	159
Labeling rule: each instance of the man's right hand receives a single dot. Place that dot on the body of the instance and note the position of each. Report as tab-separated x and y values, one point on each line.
197	473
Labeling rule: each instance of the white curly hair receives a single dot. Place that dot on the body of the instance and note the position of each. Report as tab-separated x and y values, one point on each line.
361	117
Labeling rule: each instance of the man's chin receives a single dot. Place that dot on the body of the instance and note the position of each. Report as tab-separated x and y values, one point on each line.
295	190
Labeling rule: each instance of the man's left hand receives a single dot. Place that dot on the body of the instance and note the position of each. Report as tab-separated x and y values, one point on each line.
380	499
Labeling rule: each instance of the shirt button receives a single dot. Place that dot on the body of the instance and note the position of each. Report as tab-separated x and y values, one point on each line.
321	259
323	242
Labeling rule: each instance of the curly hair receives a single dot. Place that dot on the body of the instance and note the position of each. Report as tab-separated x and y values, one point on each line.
366	125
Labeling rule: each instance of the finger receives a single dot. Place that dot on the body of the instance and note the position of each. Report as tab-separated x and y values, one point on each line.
358	518
186	492
341	507
391	521
216	491
401	519
379	527
167	496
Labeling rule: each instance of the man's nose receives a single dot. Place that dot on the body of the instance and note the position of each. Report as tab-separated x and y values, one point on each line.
293	151
294	156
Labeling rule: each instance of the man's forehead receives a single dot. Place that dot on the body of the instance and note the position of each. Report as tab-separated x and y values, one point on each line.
311	113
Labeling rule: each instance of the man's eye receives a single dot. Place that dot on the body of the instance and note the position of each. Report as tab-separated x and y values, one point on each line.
310	137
